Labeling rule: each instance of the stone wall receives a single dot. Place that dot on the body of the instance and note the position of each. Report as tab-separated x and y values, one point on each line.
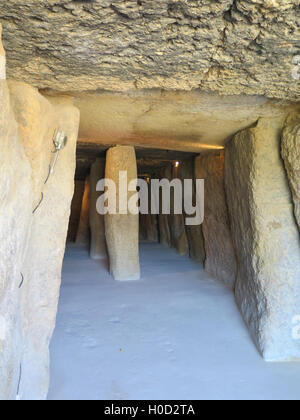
16	201
163	219
31	244
75	210
220	258
194	234
98	241
83	232
178	234
266	239
290	147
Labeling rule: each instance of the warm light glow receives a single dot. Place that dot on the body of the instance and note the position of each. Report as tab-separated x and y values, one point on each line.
211	147
176	164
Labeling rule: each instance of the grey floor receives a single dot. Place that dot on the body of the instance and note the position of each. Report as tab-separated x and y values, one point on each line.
176	334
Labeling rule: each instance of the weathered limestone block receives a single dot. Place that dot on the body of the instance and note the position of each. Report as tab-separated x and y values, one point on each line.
31	245
163	219
42	267
98	241
178	234
151	222
178	237
37	120
220	259
266	239
75	210
194	234
16	200
83	233
122	230
178	44
290	147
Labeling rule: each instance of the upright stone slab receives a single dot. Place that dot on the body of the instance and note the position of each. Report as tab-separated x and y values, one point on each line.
194	233
37	120
163	219
266	239
75	210
98	242
290	147
32	233
220	259
148	224
16	198
151	222
83	233
179	238
122	230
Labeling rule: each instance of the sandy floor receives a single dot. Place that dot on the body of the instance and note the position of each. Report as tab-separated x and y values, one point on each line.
176	334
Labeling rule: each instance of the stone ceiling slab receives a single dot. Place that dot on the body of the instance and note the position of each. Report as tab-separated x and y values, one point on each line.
226	46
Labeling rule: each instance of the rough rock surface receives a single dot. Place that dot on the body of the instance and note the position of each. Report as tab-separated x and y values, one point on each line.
220	254
75	210
45	251
163	219
83	233
31	245
177	230
16	198
194	234
149	223
290	147
266	239
98	241
229	46
122	230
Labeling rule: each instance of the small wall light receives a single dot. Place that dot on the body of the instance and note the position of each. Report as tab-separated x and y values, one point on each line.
177	164
60	141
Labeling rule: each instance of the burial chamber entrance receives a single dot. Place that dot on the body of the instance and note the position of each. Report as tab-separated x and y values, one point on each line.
244	148
214	83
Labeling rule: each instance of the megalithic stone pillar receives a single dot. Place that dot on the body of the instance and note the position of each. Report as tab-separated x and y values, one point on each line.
220	259
98	242
266	239
163	219
290	150
122	230
83	233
